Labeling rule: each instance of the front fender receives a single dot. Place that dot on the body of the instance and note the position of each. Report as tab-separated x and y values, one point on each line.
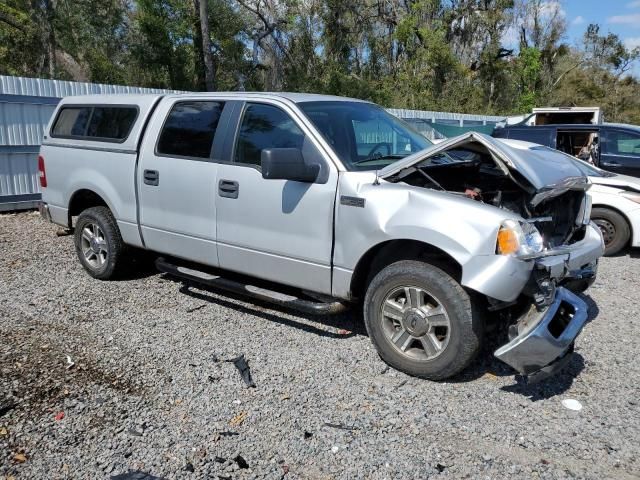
463	228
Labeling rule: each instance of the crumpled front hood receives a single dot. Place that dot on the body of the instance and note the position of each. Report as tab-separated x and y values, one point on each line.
543	167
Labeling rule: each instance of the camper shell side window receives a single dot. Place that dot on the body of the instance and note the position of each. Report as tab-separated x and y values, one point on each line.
100	123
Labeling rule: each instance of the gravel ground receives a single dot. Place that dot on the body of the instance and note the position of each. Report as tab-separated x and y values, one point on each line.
151	389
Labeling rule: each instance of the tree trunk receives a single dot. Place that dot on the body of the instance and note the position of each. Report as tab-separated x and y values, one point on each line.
207	56
50	40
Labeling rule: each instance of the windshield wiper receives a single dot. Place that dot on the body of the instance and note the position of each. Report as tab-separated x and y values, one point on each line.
395	156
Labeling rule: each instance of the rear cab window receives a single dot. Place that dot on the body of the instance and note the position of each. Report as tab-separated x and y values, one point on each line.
109	123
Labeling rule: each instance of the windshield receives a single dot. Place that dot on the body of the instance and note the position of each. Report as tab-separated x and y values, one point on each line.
363	135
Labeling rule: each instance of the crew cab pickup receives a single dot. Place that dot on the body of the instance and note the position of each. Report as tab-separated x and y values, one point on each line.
316	202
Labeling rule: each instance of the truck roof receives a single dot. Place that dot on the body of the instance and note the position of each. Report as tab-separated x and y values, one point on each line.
295	97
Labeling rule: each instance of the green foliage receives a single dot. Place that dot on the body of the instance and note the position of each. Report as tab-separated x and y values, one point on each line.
528	67
421	54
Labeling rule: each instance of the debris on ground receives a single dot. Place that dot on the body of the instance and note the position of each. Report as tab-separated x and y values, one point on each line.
238	419
571	404
199	307
242	463
59	416
20	457
243	367
70	363
135	475
7	407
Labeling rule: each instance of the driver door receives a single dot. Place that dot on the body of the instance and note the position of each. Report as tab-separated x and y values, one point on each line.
279	230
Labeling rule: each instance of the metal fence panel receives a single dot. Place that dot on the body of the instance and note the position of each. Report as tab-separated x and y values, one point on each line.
40	87
26	105
23	123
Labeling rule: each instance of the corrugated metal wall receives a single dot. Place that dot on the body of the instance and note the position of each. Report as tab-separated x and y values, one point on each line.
26	104
461	119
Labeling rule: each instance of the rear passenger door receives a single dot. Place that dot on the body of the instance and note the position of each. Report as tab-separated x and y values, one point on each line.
621	152
177	176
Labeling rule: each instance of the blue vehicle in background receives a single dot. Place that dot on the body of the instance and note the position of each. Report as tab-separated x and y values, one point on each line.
610	146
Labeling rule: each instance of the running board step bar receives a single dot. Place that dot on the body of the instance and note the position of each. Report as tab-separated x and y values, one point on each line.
279	298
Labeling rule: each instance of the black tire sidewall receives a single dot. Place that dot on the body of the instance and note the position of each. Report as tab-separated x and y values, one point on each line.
466	325
104	219
623	232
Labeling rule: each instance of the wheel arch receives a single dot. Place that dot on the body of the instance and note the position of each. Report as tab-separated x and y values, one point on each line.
390	251
82	199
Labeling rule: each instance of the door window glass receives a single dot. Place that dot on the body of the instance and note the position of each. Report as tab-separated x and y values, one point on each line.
623	143
265	126
189	129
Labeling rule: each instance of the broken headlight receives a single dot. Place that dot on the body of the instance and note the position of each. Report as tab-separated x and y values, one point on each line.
518	239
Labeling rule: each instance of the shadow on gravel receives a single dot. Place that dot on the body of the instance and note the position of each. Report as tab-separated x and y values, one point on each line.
594	310
551	387
349	321
139	264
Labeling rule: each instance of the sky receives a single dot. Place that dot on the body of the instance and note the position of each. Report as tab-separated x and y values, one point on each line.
621	17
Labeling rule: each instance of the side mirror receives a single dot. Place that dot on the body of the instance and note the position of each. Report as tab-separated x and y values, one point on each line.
287	164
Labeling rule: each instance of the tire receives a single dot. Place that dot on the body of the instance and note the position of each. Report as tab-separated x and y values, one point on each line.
103	257
409	342
615	229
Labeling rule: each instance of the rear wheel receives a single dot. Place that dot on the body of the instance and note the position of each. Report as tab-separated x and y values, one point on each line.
614	227
98	243
421	320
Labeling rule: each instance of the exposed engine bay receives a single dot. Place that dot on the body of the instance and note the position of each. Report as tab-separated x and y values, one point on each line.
472	171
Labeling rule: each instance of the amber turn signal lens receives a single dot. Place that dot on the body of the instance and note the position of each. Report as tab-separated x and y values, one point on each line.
507	241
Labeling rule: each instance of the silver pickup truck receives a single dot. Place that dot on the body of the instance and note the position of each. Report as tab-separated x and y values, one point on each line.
316	203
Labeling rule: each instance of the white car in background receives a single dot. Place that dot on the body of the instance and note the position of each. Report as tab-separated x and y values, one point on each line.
616	202
616	207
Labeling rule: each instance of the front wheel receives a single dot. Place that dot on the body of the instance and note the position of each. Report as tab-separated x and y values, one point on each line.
98	243
421	321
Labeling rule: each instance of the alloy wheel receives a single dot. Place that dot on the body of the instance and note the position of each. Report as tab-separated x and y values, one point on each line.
94	245
415	322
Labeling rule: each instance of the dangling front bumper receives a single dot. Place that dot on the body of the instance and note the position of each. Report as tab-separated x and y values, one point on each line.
544	342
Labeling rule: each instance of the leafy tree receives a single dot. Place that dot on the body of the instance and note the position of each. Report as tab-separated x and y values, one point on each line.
452	55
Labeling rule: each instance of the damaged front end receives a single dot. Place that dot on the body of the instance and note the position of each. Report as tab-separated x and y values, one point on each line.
550	244
541	342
